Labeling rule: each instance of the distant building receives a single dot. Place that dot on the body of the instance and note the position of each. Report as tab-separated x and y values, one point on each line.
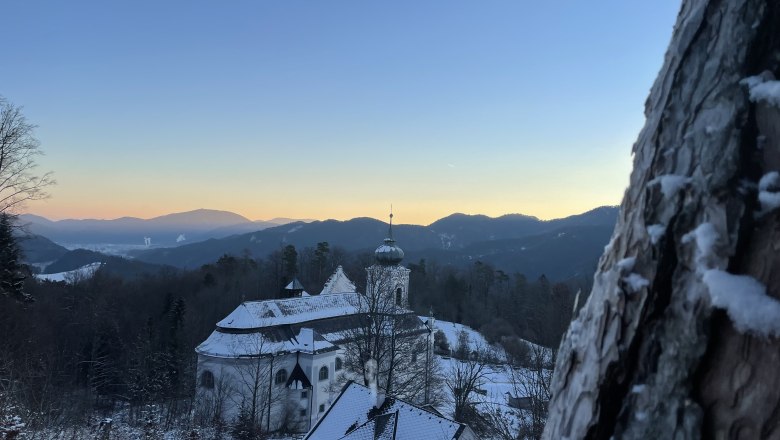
359	413
278	360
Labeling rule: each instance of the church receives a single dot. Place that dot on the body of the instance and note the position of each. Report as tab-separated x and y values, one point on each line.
282	362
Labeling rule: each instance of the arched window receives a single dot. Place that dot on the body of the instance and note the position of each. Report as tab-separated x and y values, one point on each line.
207	379
414	357
339	364
281	377
324	373
399	297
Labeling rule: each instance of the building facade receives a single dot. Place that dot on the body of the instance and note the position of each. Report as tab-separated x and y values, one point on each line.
281	362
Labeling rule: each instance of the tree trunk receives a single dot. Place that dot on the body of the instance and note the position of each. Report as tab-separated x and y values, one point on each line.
648	356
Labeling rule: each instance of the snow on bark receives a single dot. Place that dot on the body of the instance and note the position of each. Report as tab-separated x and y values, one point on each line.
671	184
701	130
746	302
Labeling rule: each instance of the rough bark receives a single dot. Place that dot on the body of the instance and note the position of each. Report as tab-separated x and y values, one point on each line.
654	359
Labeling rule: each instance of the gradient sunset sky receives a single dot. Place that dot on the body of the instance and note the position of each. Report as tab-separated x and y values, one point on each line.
333	109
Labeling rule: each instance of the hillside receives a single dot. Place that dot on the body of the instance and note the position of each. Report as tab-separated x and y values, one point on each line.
166	230
558	248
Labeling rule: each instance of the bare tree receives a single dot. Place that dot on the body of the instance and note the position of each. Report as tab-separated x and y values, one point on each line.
18	151
212	400
464	380
531	390
679	337
255	392
392	338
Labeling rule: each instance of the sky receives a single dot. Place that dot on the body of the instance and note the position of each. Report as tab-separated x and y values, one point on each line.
333	109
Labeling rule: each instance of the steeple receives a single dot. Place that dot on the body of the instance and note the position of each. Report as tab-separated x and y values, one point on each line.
388	254
387	277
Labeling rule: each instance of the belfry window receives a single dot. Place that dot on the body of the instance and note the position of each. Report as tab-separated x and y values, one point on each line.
324	373
399	297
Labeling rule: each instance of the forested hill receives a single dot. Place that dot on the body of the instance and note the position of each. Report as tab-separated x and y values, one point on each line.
514	243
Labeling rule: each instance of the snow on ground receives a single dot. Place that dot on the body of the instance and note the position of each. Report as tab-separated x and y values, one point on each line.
493	393
452	330
71	275
121	250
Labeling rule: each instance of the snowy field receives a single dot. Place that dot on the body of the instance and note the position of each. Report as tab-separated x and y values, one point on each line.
119	250
71	276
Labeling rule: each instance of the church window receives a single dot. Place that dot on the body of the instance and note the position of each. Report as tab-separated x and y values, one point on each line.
324	373
322	408
304	394
207	379
281	377
414	357
398	296
339	364
303	413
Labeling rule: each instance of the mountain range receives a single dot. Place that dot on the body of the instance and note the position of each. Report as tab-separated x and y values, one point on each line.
166	230
515	243
560	248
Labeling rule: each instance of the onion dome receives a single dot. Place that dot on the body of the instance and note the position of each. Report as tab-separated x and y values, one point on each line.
388	253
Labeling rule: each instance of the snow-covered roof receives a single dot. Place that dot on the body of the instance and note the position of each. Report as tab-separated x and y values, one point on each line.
338	283
294	285
353	416
273	312
234	345
379	428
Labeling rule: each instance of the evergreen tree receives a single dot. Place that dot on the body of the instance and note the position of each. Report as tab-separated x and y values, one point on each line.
290	261
11	273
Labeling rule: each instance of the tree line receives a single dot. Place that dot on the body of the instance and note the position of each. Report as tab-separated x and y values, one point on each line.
104	341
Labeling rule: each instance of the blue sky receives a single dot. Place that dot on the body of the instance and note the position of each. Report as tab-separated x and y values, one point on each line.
334	109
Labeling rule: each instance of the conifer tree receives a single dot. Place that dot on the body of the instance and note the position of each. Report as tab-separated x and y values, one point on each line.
11	273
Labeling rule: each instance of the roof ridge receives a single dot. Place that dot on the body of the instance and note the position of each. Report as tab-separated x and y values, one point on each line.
297	298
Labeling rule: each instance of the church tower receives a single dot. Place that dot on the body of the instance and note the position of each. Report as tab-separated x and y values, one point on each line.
387	280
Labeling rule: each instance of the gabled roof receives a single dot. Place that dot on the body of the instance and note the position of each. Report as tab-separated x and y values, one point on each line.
258	314
294	285
298	379
271	341
353	415
381	427
338	283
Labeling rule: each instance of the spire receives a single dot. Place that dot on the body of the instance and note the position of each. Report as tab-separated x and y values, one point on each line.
388	253
390	229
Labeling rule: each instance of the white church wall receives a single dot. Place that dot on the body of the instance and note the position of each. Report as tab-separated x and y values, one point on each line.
233	379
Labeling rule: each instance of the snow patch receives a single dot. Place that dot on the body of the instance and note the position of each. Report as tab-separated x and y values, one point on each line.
636	282
670	183
745	300
626	264
638	389
768	181
656	232
763	91
295	228
706	237
71	276
181	238
769	201
768	194
446	240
